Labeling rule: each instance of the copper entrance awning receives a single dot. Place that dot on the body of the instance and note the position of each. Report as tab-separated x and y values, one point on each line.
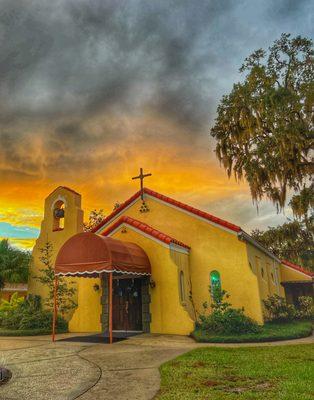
89	254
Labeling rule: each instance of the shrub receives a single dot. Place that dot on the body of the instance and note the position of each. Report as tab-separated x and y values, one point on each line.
277	309
270	332
14	302
229	321
7	307
305	308
28	314
224	319
32	302
41	320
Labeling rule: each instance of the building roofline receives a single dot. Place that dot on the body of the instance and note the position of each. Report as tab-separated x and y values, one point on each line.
169	200
147	229
189	209
297	268
245	236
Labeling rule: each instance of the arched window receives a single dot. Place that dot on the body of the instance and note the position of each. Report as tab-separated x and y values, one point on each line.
182	286
58	216
215	283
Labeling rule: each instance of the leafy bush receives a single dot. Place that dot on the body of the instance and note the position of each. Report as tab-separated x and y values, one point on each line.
41	320
7	307
305	308
14	302
271	331
27	314
229	321
65	292
277	309
224	319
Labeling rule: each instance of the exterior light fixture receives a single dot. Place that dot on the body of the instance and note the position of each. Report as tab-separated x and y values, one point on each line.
96	287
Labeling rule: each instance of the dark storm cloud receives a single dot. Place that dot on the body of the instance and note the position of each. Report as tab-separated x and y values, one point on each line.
66	64
84	56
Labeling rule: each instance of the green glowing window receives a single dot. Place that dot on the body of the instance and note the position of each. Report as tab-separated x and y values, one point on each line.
215	282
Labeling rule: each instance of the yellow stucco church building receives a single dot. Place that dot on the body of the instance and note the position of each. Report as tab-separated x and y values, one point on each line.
150	264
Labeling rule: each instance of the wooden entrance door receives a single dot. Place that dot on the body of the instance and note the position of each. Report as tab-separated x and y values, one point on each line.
127	304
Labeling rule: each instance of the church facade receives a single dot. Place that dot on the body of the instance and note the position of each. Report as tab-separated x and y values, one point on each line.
151	264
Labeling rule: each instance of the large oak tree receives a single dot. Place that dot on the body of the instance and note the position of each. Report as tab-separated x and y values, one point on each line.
264	127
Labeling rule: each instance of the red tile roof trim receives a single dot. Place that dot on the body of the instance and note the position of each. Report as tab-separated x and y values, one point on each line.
297	268
194	211
173	202
144	228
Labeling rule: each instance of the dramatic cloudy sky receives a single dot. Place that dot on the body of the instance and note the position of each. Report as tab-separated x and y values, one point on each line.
92	90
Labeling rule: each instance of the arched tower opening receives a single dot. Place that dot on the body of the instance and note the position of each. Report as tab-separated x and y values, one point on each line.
58	216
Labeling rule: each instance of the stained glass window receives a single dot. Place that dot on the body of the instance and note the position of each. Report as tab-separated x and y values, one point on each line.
215	282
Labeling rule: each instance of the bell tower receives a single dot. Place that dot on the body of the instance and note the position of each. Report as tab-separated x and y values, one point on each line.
63	218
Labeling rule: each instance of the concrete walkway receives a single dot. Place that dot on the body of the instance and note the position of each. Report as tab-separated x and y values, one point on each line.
66	370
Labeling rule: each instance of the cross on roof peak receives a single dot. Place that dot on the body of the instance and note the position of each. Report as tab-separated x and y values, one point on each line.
141	177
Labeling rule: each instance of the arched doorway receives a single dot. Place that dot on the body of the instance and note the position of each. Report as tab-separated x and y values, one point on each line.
124	269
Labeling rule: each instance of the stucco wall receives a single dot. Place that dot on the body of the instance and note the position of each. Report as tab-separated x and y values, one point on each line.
212	248
86	317
168	314
267	271
290	274
73	223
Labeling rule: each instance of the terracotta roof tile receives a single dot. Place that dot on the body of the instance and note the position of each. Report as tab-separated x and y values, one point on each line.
144	228
298	268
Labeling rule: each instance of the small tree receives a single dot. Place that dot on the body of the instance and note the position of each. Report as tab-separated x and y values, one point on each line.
65	293
277	309
219	300
224	319
305	309
95	218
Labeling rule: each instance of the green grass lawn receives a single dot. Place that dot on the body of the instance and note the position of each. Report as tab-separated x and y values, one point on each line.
251	373
270	332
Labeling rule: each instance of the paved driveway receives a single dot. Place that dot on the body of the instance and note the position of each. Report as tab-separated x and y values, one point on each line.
126	370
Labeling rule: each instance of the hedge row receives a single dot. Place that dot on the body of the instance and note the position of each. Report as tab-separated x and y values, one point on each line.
271	332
